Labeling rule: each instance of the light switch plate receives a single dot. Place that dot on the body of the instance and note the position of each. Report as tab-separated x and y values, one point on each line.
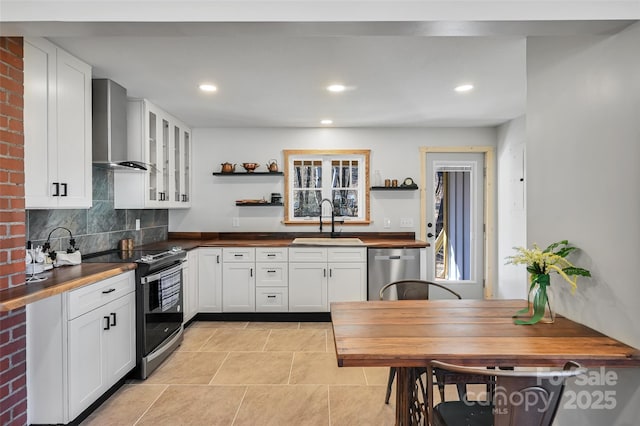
137	224
387	222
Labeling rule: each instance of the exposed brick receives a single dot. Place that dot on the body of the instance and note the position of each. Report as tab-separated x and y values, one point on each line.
14	398
17	203
11	190
8	217
10	85
14	319
6	109
5	416
15	151
16	178
19	383
4	69
4	389
16	75
11	137
19	419
17	280
14	372
19	357
12	164
11	59
4	256
16	333
5	336
17	254
16	98
4	176
4	284
12	268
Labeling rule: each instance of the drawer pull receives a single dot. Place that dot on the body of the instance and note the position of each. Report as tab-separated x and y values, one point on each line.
113	318
111	290
251	272
238	255
106	326
271	296
271	255
271	271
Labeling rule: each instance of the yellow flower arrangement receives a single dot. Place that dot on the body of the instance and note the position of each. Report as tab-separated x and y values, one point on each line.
552	259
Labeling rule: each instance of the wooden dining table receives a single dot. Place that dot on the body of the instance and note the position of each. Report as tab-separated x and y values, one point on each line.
412	333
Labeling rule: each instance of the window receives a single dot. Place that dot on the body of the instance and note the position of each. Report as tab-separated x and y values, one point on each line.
341	176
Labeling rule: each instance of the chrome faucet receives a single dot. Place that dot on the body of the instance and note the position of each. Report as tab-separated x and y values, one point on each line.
333	217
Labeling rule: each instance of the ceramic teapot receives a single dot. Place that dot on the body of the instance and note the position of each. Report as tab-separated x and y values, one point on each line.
228	168
272	165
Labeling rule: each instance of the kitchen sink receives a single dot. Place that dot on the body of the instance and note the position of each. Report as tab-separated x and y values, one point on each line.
311	241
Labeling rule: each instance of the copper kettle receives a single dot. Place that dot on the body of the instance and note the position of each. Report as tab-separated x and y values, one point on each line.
228	168
272	165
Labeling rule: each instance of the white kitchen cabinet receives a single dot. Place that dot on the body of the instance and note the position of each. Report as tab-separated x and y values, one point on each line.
190	280
209	279
101	351
57	127
272	279
163	143
308	286
79	344
238	279
321	275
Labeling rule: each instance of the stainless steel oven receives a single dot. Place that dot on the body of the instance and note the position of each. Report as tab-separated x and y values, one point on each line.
160	316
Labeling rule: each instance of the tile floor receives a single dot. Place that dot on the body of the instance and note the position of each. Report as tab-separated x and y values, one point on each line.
252	373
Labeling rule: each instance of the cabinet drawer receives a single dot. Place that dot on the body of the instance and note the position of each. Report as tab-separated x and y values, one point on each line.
272	254
93	296
238	254
272	299
347	254
308	254
272	274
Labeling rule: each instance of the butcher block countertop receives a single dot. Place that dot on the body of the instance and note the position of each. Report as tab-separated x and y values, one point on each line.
69	277
58	281
190	240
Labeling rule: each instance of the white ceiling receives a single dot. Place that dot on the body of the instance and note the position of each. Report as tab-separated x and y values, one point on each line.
274	75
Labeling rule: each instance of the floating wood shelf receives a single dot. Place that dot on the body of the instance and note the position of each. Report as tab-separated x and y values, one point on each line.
249	174
394	188
259	204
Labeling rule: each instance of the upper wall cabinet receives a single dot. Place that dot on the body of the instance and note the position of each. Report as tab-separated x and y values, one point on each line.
57	127
163	143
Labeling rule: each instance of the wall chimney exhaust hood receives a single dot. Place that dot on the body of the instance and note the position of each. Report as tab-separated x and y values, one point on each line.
110	126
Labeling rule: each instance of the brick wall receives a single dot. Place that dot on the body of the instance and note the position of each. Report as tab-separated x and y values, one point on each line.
13	379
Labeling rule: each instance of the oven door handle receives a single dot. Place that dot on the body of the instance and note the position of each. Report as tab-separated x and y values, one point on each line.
160	274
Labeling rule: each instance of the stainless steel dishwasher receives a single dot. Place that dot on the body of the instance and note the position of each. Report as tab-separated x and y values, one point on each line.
390	264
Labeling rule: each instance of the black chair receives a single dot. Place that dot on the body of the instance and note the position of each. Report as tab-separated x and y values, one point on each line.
518	398
419	290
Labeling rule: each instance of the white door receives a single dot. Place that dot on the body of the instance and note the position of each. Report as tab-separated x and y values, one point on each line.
455	222
238	287
308	287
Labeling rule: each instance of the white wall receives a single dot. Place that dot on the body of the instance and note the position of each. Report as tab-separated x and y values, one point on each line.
583	148
511	208
394	152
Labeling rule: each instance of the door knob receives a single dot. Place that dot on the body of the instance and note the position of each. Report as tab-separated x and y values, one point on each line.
429	235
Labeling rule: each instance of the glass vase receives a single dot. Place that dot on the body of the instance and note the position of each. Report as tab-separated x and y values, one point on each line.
539	302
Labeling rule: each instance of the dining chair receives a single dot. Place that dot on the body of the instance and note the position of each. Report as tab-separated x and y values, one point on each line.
419	290
518	398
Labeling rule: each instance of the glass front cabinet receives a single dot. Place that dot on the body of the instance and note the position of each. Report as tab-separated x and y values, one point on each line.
163	144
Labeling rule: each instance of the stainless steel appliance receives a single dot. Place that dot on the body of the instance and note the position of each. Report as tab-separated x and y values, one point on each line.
386	265
159	302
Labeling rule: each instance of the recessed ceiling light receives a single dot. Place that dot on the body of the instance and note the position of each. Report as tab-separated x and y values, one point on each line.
208	88
464	88
336	88
326	121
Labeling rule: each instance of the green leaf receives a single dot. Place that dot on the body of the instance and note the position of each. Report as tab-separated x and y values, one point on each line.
572	270
565	251
554	245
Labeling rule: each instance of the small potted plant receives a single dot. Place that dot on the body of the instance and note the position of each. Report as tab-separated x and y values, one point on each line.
540	264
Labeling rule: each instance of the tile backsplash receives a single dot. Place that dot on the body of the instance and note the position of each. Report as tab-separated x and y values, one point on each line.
100	227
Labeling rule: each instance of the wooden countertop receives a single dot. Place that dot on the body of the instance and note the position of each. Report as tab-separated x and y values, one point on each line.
60	280
69	277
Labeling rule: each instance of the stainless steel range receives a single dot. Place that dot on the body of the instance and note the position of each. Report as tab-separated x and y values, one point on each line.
159	302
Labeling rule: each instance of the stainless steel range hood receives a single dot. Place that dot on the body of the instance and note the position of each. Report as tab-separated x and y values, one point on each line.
110	126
